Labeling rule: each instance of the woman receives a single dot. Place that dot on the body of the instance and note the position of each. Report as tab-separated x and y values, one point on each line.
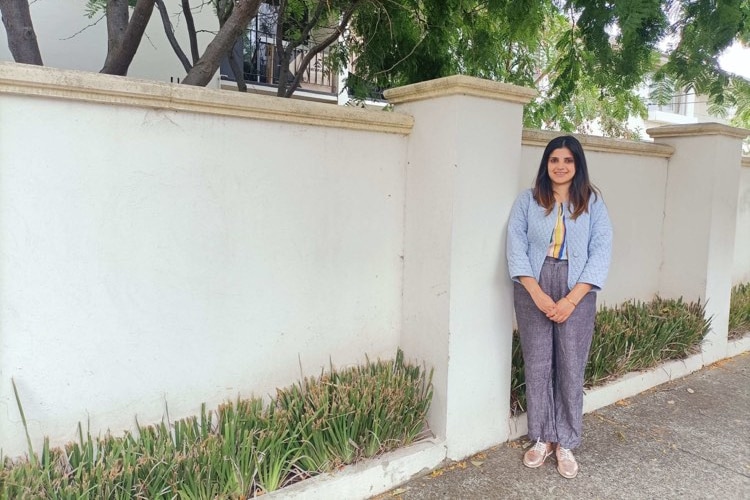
559	246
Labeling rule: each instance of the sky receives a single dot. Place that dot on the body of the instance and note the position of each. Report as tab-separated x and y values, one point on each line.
736	59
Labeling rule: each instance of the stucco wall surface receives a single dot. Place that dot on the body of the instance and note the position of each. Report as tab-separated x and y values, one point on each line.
152	257
741	270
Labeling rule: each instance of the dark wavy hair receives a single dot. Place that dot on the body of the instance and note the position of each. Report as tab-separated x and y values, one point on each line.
581	189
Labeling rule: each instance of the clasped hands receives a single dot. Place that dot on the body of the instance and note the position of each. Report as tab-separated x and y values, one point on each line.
556	311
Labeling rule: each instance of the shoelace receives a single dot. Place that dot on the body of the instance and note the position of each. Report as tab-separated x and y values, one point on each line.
564	454
540	447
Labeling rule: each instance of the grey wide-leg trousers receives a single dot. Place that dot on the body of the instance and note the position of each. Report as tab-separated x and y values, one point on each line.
555	356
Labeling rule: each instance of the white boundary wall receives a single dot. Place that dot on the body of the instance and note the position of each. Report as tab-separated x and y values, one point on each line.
158	256
166	244
741	271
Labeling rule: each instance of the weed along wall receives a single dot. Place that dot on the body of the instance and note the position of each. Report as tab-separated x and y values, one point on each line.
172	245
167	246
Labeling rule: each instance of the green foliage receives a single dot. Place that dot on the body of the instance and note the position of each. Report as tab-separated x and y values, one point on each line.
338	428
703	30
585	57
633	336
739	311
243	448
636	336
584	76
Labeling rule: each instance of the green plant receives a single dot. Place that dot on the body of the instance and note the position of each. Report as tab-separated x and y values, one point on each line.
739	311
242	449
632	336
517	378
359	412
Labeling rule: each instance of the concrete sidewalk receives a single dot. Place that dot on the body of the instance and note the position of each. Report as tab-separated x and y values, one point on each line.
687	439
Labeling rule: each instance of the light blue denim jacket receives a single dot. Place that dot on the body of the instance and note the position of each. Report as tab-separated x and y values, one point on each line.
588	238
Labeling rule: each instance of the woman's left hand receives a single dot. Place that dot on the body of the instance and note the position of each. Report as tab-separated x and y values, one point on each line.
562	311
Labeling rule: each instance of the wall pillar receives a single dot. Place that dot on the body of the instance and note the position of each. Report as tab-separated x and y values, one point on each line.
462	178
700	221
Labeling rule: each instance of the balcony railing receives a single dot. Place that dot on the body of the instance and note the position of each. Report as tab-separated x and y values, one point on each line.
261	64
678	105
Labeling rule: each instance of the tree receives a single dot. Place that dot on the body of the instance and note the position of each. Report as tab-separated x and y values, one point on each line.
329	19
302	29
297	22
20	30
703	30
586	57
125	32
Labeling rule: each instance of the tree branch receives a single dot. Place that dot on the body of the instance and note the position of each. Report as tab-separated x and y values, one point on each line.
311	23
345	18
169	31
85	28
191	30
233	28
239	72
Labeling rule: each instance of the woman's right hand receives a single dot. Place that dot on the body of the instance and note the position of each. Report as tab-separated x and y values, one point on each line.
542	301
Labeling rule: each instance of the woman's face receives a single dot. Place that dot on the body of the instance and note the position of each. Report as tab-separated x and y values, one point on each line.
561	167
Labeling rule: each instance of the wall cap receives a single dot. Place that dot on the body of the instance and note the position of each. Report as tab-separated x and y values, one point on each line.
697	129
30	80
460	85
534	137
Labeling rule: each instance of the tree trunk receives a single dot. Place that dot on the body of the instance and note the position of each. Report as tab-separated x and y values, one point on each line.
284	53
285	75
236	24
124	38
117	23
21	36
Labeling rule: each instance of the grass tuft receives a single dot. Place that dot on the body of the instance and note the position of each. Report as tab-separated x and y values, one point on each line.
630	337
240	450
739	311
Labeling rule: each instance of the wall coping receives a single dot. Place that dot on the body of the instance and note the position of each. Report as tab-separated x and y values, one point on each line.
30	80
533	137
697	129
460	85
